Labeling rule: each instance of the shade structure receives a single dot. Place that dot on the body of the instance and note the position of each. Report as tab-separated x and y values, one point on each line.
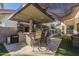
45	12
63	11
33	12
71	13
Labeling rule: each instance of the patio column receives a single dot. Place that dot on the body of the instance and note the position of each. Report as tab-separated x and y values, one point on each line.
30	26
28	40
75	27
65	29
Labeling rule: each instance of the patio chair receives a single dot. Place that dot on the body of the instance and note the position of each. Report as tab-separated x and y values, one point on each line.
35	39
38	38
44	39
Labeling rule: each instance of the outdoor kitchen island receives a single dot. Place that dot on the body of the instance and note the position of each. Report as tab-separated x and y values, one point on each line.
23	36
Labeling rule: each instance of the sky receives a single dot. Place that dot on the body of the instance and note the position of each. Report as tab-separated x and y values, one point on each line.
13	6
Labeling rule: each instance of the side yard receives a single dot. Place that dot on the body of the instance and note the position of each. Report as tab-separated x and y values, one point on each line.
66	48
3	51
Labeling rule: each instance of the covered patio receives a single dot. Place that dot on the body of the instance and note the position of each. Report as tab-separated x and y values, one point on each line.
27	14
33	42
34	14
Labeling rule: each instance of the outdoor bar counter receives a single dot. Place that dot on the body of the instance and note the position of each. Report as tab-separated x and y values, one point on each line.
25	37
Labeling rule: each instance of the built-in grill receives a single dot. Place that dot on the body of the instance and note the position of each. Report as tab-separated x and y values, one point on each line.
12	39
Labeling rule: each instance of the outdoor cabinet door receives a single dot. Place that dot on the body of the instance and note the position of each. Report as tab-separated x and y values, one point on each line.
14	39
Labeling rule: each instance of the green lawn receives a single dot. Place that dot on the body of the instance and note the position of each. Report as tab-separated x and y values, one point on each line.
3	51
66	49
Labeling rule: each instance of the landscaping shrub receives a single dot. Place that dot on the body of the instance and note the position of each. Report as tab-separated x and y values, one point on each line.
57	35
67	38
66	48
3	51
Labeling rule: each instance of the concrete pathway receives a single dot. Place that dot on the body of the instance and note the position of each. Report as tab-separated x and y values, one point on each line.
21	49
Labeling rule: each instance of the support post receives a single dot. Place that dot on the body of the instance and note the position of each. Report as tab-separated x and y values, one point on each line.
30	26
30	31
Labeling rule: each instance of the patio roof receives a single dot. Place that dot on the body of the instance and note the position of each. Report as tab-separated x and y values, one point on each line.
63	11
31	11
71	13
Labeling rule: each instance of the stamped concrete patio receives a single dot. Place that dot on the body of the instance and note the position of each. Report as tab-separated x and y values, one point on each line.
21	49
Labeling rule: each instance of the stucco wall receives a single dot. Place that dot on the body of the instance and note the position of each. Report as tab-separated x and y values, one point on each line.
73	22
6	31
8	23
69	22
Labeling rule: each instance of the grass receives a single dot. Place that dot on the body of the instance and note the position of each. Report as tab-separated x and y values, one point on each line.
3	51
66	48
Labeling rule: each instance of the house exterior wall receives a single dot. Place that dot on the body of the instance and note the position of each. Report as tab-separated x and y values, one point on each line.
8	23
4	14
5	32
7	27
72	22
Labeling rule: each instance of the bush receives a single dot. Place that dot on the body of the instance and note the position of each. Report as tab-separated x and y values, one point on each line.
57	35
40	26
65	38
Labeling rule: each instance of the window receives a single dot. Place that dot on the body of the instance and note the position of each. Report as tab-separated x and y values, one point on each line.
70	29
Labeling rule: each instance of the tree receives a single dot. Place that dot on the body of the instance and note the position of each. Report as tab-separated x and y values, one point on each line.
52	26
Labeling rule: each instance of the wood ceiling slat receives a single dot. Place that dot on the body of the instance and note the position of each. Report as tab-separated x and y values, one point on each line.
31	12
